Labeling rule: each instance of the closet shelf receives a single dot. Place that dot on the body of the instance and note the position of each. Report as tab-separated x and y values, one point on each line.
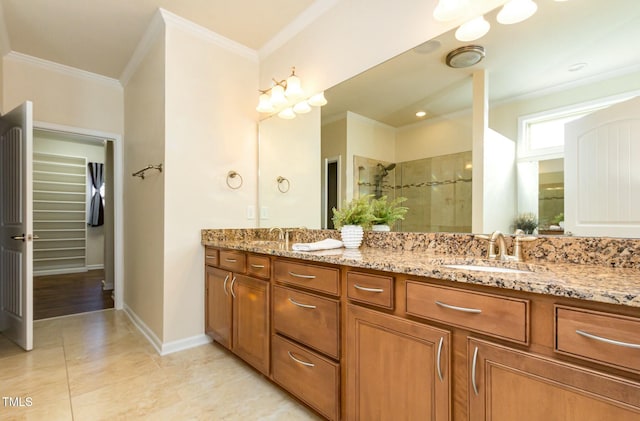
60	188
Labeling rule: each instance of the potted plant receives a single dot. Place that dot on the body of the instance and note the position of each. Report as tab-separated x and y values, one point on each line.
387	212
351	220
527	222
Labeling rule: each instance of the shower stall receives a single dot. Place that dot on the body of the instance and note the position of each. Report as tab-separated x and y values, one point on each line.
438	190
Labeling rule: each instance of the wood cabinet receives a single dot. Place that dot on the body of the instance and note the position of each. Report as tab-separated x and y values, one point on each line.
396	369
306	334
359	344
237	310
508	384
218	310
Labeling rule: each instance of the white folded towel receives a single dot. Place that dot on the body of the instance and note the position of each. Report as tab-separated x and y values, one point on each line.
327	244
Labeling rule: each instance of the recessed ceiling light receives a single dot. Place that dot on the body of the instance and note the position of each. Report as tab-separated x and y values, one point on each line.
421	114
577	67
427	47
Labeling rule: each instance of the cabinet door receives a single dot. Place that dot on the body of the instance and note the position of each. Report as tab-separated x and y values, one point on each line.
251	321
397	369
218	305
506	384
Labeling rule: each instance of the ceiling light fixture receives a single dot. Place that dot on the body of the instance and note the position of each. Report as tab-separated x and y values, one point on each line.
287	98
515	11
473	29
465	56
421	114
448	10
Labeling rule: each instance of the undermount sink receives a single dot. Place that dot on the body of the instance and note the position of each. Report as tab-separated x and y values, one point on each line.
479	268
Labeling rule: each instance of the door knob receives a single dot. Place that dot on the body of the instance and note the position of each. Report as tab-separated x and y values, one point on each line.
18	237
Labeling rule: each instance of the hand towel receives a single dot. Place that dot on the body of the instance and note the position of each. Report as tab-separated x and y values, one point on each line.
326	244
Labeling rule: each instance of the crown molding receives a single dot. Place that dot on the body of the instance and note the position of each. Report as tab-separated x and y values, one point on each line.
209	36
62	69
304	19
152	32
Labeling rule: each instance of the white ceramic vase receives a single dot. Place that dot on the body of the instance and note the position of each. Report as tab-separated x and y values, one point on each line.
381	227
352	236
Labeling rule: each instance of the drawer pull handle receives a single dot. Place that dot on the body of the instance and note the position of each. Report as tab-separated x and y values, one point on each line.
233	281
456	308
253	265
224	285
297	275
230	260
211	257
440	359
292	301
473	372
361	288
305	363
607	340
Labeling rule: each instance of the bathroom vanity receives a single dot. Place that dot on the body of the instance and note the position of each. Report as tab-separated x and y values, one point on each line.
389	333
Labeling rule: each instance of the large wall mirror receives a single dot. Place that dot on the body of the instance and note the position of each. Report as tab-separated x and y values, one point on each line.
567	60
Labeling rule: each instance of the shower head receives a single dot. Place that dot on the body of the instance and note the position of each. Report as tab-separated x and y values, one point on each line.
387	168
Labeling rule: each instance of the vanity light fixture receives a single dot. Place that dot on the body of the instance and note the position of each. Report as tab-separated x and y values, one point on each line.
287	98
515	11
473	29
448	10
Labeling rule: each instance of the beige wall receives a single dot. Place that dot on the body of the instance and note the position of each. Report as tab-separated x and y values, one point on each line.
211	127
289	148
446	135
354	36
63	97
504	117
144	200
51	143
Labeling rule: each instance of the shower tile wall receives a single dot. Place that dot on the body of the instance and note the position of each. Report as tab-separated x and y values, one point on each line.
438	190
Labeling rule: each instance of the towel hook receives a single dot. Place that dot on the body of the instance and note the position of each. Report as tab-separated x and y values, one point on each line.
233	174
281	180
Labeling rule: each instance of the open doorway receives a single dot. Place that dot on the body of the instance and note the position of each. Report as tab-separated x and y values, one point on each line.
331	190
73	251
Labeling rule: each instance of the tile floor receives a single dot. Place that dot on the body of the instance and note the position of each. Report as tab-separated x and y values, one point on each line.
97	366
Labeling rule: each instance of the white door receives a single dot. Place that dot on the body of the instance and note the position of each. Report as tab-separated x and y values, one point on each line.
16	225
602	172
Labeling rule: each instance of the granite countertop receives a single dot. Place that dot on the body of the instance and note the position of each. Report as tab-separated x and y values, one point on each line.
585	282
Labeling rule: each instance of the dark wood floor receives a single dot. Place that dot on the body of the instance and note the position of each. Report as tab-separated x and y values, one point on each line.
71	293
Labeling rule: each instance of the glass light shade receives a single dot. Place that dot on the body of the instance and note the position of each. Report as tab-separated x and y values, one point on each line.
277	96
473	29
294	88
287	114
317	100
448	10
516	11
264	104
302	107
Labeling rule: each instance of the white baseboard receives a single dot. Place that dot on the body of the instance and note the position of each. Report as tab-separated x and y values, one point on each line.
59	271
169	347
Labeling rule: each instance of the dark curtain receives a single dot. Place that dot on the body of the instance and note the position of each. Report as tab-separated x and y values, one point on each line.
96	208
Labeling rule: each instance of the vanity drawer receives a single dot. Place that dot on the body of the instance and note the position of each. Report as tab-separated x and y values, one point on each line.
307	375
211	256
307	318
370	289
502	317
259	266
317	278
233	260
601	337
